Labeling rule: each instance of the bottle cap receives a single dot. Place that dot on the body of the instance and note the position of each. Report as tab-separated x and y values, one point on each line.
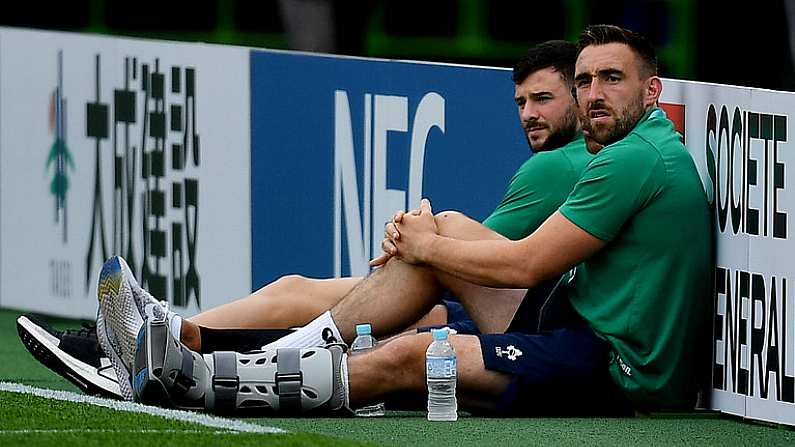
440	334
363	329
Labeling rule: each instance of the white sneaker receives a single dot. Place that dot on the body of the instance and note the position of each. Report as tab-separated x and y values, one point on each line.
123	308
74	354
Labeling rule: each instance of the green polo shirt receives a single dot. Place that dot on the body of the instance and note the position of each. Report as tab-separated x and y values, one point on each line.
647	290
538	188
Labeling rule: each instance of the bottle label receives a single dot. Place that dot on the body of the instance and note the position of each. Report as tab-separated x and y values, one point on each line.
440	367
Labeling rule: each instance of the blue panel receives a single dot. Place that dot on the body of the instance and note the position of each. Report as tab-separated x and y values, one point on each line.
466	167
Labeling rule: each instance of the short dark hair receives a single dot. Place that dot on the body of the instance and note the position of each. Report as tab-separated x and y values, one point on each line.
604	34
558	54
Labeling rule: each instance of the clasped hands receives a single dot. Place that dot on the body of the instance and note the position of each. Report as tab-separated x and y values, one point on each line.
408	236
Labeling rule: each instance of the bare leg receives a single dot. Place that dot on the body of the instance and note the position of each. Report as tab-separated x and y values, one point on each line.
398	294
399	366
289	301
491	309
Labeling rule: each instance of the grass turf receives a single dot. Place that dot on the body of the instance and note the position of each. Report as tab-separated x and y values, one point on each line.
32	420
84	424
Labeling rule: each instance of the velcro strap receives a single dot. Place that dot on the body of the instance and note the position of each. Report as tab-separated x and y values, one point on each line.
184	380
289	379
225	381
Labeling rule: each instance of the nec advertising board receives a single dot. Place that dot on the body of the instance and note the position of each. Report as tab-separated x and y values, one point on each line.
740	140
340	144
121	146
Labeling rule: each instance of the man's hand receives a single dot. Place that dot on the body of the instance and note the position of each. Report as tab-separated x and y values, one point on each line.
390	232
415	231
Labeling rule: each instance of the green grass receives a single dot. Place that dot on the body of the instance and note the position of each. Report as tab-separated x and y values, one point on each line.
45	421
51	422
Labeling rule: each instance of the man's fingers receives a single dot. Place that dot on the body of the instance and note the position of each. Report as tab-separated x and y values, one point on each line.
398	216
389	250
391	232
379	261
388	247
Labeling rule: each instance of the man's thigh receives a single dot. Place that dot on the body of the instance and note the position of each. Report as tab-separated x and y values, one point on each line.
491	309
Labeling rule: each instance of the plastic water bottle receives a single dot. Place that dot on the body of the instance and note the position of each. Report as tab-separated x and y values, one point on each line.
440	373
363	343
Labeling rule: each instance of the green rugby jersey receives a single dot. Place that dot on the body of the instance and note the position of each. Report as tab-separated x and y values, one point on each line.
647	290
538	188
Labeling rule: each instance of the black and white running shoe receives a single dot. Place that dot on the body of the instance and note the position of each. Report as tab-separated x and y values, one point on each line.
74	354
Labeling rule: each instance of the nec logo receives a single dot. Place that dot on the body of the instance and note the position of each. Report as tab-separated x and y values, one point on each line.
364	219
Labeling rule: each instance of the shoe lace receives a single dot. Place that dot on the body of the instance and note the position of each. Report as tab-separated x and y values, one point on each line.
161	306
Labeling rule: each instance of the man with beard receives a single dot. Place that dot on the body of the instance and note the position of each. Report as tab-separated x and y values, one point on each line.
543	81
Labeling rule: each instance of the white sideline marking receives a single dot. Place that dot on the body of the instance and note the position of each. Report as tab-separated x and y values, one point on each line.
98	430
177	415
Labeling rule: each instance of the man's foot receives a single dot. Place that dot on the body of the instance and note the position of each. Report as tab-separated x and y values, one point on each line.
123	308
73	354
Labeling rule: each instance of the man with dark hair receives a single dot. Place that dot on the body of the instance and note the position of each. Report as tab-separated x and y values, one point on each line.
547	112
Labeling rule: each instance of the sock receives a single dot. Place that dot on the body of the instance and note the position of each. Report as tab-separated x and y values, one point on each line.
239	340
319	332
175	324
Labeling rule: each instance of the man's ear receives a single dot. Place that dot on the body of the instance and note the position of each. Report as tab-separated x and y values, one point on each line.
653	91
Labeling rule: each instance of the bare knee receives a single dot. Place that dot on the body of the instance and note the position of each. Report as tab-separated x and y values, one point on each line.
289	283
457	225
285	286
449	221
288	301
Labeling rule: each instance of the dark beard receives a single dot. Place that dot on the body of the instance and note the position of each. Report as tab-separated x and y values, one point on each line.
624	125
558	139
562	137
625	122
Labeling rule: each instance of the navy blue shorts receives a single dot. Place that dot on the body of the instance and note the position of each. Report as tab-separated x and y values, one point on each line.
562	372
558	365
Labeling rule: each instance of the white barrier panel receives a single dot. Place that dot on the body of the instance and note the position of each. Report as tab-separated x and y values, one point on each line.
739	140
122	146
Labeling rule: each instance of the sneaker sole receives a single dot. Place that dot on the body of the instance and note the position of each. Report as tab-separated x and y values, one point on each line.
44	348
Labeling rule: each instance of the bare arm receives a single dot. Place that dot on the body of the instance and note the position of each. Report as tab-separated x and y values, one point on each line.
552	249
